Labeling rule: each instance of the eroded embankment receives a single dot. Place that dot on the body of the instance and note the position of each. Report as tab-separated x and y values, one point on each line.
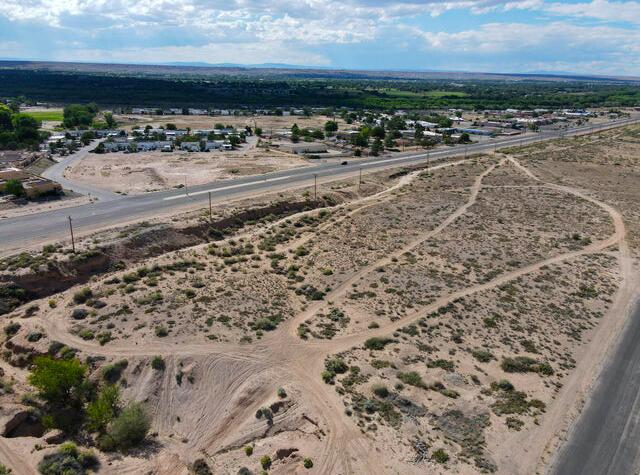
49	277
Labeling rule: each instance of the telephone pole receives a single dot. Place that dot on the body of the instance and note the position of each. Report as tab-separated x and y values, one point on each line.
315	196
73	242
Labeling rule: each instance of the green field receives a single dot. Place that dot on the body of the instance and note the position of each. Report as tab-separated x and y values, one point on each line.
446	93
50	116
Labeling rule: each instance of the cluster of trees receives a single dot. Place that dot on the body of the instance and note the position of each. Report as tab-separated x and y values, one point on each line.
79	116
379	94
74	404
18	131
308	135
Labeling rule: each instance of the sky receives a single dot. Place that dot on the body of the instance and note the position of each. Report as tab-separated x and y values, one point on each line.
578	36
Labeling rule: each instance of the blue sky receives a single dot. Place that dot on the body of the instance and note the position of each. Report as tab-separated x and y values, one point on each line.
590	36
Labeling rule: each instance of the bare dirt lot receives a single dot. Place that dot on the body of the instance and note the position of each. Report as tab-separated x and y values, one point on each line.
154	171
441	322
269	123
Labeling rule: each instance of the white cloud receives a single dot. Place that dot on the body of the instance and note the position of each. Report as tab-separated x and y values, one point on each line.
248	31
247	53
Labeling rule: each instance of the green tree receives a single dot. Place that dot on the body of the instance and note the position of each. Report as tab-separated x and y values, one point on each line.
14	187
87	137
59	381
6	124
77	115
109	119
331	126
25	127
104	409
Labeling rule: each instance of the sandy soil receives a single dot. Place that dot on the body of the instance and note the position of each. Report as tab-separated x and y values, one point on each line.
153	171
458	317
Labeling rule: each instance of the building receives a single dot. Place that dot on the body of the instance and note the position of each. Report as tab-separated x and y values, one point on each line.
34	185
190	146
211	145
304	147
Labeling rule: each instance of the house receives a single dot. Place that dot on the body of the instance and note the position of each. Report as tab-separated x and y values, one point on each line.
116	146
476	131
190	146
432	135
304	147
198	111
211	145
34	185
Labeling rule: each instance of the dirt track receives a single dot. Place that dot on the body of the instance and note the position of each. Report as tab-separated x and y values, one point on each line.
238	381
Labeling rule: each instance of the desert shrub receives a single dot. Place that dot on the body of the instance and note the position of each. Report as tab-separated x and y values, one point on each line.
265	462
503	385
4	470
336	365
440	456
11	329
104	409
447	365
380	390
524	364
328	376
158	363
377	343
130	428
68	460
34	336
79	313
281	393
103	337
514	423
55	347
161	331
200	467
86	334
482	355
267	324
82	295
307	462
412	378
249	450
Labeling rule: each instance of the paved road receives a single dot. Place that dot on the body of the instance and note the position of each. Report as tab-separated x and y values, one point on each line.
20	231
605	438
56	173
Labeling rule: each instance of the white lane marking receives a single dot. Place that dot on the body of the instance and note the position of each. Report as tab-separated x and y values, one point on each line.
229	187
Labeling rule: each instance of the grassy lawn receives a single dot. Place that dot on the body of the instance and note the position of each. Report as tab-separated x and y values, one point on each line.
50	115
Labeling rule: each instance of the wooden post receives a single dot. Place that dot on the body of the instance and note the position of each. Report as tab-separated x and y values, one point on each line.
73	242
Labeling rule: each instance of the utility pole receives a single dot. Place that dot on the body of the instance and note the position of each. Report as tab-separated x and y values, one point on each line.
315	196
73	242
360	180
210	218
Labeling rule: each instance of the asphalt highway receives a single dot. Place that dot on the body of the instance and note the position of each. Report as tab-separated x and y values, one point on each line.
39	227
605	438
